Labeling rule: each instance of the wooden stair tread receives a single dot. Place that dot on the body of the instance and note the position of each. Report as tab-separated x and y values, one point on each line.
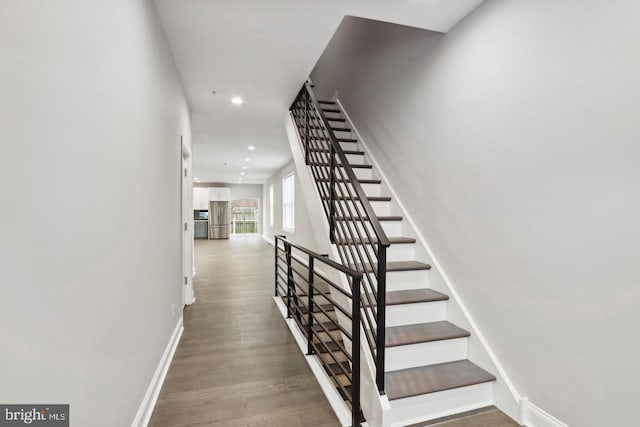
329	326
326	138
361	181
350	152
412	296
335	129
331	110
393	266
316	309
340	165
370	198
331	345
333	367
374	240
434	378
422	332
336	119
359	218
327	102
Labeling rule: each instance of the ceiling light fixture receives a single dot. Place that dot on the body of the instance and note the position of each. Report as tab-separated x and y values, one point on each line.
247	159
236	100
251	147
244	167
241	173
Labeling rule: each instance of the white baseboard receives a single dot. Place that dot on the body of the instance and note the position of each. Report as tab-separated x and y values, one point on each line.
151	396
533	416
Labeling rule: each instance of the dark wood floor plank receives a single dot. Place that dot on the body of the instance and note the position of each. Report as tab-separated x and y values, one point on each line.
237	363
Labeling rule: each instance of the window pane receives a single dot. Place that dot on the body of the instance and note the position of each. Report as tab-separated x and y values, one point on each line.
288	202
271	205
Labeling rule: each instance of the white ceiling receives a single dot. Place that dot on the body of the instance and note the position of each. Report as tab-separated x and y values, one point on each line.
263	50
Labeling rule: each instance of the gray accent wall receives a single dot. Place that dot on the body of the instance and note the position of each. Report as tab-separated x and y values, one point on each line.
91	114
513	143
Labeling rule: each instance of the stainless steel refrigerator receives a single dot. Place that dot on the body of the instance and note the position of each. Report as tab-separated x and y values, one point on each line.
219	220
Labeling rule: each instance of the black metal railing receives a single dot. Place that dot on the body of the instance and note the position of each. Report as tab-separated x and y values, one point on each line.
354	227
315	302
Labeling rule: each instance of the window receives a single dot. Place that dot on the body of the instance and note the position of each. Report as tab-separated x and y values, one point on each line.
244	216
271	206
288	202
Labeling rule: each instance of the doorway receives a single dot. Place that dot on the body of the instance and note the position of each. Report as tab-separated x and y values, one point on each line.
244	217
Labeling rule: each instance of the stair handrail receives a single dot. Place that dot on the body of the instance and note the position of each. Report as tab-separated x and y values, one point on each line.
294	304
377	227
373	327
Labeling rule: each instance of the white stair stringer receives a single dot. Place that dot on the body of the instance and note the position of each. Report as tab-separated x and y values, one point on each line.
501	392
409	314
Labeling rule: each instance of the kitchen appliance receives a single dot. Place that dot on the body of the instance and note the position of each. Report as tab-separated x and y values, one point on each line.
201	214
219	220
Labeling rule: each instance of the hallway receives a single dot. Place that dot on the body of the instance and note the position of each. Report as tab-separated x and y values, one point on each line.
237	363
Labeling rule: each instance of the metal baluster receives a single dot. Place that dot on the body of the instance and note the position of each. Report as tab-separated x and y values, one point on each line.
276	266
355	351
306	125
332	193
382	289
310	307
287	248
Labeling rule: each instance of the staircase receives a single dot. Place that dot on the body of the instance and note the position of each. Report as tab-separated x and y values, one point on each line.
422	360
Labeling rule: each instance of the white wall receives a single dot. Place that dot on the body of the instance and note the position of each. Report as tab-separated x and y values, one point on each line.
513	142
91	113
303	234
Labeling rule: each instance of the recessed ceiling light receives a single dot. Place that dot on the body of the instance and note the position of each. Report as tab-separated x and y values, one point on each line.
251	147
247	159
241	173
244	167
237	100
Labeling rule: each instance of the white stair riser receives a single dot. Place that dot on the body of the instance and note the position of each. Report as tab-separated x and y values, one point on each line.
401	252
413	410
355	159
394	253
369	189
372	189
391	228
338	129
348	208
422	354
401	280
349	146
423	312
362	173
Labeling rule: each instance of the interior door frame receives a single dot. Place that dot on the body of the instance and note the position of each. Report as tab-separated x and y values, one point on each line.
186	225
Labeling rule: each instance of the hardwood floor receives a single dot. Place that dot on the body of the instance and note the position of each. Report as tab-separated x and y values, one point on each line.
237	363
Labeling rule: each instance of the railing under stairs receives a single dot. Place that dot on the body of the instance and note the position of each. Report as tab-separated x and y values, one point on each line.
315	302
354	227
